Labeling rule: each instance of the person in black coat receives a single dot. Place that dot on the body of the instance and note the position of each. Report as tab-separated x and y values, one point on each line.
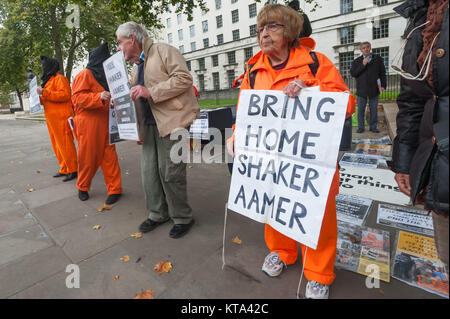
368	70
420	150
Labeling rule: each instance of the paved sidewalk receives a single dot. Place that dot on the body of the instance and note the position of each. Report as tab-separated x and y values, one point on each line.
44	228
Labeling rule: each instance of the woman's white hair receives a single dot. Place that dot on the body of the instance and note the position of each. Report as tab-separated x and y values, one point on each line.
131	27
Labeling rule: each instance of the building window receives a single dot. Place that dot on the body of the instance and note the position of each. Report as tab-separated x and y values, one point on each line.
345	63
252	10
205	26
231	57
193	46
182	48
379	2
248	53
253	30
206	43
347	35
384	54
235	35
201	64
188	64
215	60
179	18
192	31
234	1
204	12
380	29
346	6
169	22
231	78
220	39
201	82
180	35
169	38
218	4
219	21
216	81
235	16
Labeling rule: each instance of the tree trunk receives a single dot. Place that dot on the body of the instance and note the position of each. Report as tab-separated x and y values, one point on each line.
56	38
19	96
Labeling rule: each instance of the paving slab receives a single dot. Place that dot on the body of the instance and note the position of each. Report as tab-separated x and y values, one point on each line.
23	242
31	269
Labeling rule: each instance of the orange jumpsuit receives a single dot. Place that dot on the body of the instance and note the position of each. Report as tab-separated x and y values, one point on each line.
92	132
319	263
58	108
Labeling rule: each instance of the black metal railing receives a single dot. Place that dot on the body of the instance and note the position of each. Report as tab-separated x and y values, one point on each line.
392	86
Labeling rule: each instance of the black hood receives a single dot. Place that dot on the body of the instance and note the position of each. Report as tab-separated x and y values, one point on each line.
49	68
408	8
96	59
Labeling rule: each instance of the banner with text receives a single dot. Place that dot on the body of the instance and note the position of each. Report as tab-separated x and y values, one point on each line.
35	103
119	87
285	159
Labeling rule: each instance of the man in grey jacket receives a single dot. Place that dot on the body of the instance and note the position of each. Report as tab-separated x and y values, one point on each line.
165	102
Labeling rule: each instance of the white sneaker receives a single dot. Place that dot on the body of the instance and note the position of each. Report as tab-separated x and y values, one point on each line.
273	265
316	290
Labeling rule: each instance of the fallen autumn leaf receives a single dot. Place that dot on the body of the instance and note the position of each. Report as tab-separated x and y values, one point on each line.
236	240
136	235
125	259
104	207
162	267
96	227
148	294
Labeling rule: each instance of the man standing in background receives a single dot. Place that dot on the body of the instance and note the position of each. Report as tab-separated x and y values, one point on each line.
370	75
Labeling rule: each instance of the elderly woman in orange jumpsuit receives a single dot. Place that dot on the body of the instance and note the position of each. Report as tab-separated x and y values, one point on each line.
283	64
91	99
55	97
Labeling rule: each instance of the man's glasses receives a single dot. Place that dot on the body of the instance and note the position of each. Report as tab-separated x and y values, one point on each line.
271	27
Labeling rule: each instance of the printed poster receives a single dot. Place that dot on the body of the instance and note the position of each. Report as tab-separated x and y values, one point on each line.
405	218
117	77
377	184
352	209
363	160
361	249
417	264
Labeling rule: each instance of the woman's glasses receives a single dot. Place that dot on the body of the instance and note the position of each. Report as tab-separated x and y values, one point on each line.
271	27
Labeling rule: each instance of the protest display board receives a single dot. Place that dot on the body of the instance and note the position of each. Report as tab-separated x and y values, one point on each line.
285	159
377	184
363	160
200	128
114	137
119	87
374	149
385	140
405	218
359	248
352	209
417	264
35	103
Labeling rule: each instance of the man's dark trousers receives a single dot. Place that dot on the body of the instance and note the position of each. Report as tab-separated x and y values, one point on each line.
373	105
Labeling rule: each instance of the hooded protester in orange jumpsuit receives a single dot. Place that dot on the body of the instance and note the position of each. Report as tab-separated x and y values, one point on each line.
55	97
91	99
294	60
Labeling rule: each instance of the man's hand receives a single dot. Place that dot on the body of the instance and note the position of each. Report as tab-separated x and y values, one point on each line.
230	146
365	61
382	89
403	183
39	91
139	91
293	88
105	96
